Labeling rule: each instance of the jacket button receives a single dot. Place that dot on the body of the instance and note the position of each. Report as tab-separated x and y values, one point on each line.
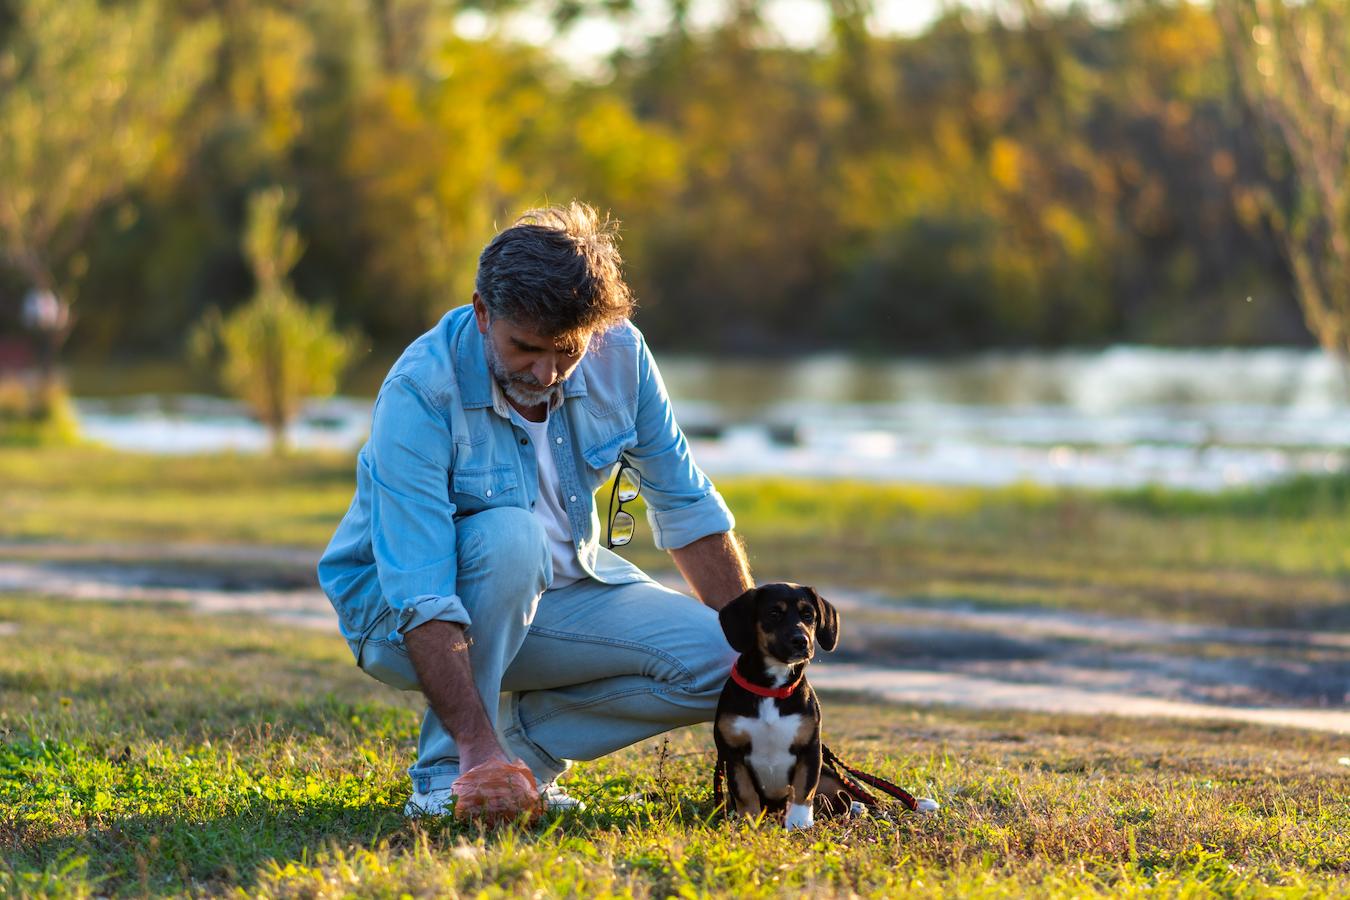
489	493
573	498
524	441
557	440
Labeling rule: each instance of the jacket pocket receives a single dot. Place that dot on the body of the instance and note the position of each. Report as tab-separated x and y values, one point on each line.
474	490
605	454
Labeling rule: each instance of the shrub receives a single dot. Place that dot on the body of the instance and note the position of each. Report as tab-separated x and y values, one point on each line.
275	351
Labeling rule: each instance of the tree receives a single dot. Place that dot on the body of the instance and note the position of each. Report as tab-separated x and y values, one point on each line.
1294	68
275	352
89	93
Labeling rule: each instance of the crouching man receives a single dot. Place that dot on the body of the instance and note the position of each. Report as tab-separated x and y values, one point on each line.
469	564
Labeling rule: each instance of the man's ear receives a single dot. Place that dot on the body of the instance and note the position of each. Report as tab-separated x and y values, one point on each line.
480	314
827	622
738	621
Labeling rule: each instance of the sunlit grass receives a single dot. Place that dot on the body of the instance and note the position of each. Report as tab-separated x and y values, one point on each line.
1277	556
145	751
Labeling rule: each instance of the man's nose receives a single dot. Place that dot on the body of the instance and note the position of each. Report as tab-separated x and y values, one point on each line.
546	371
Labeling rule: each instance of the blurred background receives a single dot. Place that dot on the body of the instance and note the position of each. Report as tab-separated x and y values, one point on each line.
1091	243
1018	326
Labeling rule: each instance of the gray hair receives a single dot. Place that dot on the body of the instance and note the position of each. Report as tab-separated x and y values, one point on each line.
556	270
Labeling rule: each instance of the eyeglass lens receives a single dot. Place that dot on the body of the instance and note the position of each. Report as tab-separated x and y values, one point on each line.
630	485
621	532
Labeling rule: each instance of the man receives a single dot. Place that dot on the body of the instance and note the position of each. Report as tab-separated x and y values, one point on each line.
468	565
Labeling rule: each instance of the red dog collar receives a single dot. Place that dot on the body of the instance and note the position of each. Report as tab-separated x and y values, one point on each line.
781	693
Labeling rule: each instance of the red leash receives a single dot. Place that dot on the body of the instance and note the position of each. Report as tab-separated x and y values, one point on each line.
843	770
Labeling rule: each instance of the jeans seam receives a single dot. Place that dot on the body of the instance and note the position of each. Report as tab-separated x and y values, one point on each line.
687	677
573	707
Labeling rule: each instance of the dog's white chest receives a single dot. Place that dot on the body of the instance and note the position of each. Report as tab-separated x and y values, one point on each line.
771	736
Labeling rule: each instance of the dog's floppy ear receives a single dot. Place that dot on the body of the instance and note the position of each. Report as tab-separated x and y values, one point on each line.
827	622
738	621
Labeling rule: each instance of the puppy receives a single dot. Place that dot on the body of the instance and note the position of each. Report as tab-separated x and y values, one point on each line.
767	728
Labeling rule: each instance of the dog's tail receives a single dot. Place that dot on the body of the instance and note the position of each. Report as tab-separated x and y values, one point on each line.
853	780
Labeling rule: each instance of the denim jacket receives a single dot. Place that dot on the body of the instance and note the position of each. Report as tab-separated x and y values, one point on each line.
439	450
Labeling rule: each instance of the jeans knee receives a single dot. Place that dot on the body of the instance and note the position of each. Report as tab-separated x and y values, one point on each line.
709	665
714	675
509	544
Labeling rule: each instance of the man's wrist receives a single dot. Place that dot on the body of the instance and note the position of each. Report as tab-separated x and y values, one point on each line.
474	754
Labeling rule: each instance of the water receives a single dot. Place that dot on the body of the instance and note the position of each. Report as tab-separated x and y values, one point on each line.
1123	417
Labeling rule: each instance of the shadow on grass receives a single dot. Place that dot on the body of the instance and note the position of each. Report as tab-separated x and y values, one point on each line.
172	854
166	854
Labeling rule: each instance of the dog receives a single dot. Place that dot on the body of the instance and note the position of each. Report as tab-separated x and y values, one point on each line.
767	727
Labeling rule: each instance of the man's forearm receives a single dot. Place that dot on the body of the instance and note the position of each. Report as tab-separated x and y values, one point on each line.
715	567
440	655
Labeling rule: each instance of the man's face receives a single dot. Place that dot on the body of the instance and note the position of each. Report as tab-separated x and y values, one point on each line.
530	367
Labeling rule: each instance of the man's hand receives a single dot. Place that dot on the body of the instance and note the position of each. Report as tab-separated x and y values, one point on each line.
715	567
440	655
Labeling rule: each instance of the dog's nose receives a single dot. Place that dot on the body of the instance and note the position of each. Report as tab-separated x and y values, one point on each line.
799	643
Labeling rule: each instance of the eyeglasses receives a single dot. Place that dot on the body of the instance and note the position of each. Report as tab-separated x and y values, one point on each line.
627	485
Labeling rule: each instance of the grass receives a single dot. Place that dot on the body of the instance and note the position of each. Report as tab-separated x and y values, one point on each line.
1279	556
148	751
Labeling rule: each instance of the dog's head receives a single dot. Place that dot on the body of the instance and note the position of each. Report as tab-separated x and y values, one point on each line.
783	622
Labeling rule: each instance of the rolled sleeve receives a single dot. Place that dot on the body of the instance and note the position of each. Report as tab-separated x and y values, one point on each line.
411	515
680	527
682	504
431	608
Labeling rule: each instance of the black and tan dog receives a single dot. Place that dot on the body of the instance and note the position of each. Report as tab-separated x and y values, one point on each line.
767	728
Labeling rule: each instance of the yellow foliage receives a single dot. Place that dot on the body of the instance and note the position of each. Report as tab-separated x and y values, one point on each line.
631	159
270	88
1073	234
1005	164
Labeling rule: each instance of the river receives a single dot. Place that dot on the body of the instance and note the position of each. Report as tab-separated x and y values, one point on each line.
1121	417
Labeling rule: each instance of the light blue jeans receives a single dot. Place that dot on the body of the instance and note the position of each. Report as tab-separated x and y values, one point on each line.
567	674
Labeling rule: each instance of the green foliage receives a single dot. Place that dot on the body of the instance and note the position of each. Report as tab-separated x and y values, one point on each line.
89	94
276	351
1318	495
21	425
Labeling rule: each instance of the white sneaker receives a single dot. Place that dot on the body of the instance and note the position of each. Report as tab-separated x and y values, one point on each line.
556	799
431	803
439	802
926	806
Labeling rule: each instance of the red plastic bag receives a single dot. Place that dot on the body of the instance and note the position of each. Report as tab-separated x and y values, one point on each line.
493	792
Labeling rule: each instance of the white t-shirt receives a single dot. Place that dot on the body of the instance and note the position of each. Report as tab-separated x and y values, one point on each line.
550	510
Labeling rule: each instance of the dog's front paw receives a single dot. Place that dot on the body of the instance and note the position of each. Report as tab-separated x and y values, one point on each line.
799	815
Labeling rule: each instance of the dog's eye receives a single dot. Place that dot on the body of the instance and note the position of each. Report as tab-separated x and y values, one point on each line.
808	615
773	615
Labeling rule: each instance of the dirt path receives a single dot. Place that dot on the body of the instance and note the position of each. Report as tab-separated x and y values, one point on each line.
1026	659
305	607
904	686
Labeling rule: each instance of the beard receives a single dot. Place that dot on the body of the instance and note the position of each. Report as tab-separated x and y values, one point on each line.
521	387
